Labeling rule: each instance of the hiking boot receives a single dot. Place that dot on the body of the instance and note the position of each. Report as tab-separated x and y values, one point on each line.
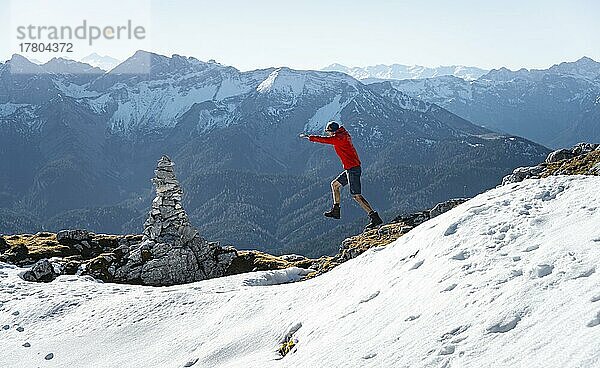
375	221
334	212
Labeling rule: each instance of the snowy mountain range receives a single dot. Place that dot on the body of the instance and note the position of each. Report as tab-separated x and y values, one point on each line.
507	279
399	71
79	146
556	107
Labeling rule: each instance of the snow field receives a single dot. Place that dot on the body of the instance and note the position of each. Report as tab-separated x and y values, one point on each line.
507	279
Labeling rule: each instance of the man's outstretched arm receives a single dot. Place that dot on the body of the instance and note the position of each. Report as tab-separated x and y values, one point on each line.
321	139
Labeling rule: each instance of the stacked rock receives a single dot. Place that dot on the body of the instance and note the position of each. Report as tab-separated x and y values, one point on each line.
171	252
167	221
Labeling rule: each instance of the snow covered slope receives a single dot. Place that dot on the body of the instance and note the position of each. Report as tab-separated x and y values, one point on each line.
507	279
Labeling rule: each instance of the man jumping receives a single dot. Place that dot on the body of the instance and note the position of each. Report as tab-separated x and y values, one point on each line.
342	143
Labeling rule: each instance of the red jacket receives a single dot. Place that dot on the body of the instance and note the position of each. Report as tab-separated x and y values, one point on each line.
342	143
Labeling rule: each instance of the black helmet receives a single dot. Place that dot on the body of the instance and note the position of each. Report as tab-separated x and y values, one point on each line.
332	126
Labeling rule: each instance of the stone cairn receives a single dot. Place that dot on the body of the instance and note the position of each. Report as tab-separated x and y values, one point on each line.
171	252
167	221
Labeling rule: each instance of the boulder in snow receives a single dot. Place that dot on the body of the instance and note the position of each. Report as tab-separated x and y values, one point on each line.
42	271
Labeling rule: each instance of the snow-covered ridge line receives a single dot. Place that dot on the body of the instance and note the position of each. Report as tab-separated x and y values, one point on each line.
399	71
488	285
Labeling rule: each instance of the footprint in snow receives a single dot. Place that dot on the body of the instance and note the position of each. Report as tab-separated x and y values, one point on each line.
447	350
531	248
595	321
586	273
369	297
449	288
542	270
370	355
453	333
412	318
190	363
451	229
505	325
416	265
461	256
505	228
516	273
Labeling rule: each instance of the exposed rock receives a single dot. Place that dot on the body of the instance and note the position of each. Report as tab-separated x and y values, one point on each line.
70	237
594	170
522	173
3	244
413	219
446	206
17	254
417	218
582	159
558	155
42	271
101	267
253	260
171	251
293	257
583	148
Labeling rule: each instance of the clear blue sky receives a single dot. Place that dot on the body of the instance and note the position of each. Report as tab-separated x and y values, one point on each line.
311	34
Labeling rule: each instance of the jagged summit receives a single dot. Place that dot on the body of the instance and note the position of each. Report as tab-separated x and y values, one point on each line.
67	66
21	65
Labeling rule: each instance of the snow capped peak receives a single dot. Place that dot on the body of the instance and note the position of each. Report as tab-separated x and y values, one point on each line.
284	81
139	63
584	67
144	62
103	62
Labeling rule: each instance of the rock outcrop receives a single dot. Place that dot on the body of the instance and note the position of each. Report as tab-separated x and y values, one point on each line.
3	244
354	246
171	251
581	159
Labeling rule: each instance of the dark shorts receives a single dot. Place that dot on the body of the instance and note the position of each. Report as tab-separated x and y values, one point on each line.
352	176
